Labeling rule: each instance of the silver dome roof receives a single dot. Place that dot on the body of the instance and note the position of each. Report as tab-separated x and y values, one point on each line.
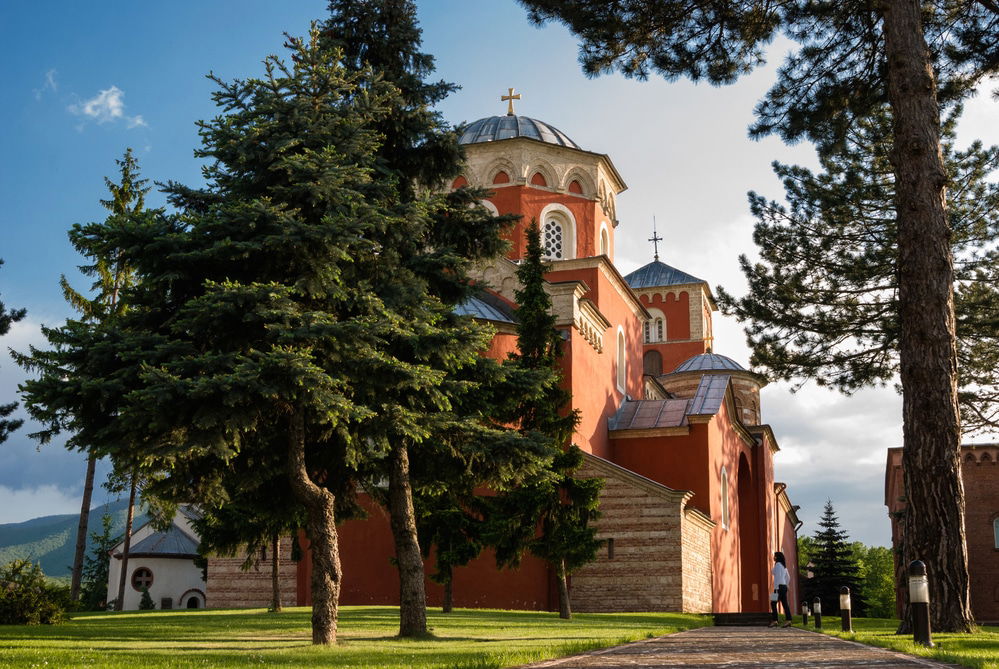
709	362
494	128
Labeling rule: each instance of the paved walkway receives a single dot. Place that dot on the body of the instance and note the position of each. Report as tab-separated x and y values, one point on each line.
742	647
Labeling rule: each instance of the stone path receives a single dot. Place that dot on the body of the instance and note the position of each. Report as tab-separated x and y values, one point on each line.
742	647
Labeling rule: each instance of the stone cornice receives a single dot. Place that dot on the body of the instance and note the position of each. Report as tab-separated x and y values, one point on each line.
650	432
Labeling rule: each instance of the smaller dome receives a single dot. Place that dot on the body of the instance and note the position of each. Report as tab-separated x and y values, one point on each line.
493	128
707	362
658	274
486	307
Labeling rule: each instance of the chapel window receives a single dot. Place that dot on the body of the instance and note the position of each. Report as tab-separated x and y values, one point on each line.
539	179
724	498
142	578
554	239
621	372
660	327
574	187
501	178
604	243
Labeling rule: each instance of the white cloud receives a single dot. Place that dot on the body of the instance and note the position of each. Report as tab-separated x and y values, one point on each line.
107	106
18	505
50	84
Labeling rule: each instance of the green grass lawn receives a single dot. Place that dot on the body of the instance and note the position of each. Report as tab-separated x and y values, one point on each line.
469	639
980	650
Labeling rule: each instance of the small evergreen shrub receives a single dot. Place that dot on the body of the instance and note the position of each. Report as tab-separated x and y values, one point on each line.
27	599
146	603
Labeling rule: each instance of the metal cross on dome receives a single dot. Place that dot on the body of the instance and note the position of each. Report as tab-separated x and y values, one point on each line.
655	238
509	98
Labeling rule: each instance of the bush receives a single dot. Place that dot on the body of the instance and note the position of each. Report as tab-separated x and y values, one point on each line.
146	603
26	598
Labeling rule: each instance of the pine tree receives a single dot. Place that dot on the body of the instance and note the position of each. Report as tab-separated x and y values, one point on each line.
550	516
7	318
112	276
94	579
854	57
146	602
833	565
823	298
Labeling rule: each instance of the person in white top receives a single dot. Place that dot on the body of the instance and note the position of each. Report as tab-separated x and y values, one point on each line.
781	580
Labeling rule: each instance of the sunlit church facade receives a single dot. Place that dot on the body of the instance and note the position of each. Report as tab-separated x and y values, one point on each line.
691	512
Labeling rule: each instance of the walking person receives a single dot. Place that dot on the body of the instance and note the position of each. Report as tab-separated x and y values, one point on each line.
781	581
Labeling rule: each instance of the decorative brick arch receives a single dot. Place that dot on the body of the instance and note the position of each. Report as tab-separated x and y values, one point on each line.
497	166
546	171
584	180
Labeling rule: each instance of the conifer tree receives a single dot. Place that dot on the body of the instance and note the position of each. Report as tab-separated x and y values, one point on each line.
420	155
550	516
823	301
7	318
853	58
94	579
833	565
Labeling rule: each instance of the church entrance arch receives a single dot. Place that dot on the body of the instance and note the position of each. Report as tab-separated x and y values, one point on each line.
752	591
193	599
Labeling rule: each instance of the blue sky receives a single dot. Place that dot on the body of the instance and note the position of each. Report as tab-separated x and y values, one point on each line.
86	80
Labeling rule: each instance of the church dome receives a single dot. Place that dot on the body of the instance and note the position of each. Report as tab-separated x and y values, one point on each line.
658	274
709	362
493	128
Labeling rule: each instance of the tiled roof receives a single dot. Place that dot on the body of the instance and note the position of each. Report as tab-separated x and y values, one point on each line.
710	395
708	362
173	541
486	307
649	414
495	128
657	274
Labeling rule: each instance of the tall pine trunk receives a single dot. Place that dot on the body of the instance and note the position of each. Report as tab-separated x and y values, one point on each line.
275	573
412	595
934	519
321	527
448	606
81	529
120	602
564	607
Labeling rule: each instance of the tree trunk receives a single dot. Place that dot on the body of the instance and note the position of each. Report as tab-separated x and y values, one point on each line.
934	520
412	596
120	602
81	529
321	526
564	608
448	594
275	573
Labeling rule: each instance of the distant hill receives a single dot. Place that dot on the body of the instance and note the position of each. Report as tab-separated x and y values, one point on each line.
51	540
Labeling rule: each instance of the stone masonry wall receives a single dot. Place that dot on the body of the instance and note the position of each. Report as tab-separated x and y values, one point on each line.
640	569
697	574
230	587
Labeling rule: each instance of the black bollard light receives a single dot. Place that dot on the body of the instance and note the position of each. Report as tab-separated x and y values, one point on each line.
817	612
844	609
804	613
919	602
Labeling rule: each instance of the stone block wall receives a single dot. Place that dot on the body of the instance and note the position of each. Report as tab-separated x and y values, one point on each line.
642	566
697	573
230	587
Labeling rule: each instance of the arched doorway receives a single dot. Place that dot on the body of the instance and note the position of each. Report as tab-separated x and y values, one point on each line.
192	599
755	596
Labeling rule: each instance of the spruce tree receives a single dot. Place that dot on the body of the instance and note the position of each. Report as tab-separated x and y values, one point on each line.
7	318
550	516
833	565
853	57
94	578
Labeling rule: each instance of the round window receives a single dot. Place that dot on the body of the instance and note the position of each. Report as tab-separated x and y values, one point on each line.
142	578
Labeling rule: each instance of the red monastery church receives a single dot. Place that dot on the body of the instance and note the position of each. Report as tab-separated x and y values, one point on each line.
691	512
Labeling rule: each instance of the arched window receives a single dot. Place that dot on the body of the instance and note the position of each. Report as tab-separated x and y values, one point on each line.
655	328
724	498
538	179
604	241
501	178
621	371
459	182
652	363
660	329
553	238
575	188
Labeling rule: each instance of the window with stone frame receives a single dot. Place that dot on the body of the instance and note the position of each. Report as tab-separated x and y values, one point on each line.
553	238
142	578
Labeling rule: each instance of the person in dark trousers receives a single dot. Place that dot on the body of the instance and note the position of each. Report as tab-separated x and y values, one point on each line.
781	580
